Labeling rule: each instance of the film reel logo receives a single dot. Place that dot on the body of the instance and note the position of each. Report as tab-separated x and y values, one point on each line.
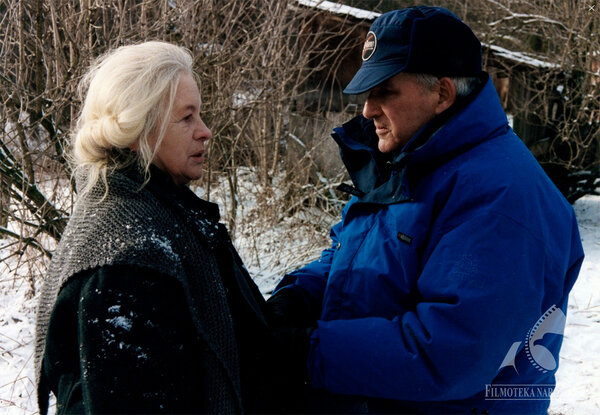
551	322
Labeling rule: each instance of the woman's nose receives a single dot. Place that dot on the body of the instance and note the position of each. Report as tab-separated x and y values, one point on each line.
202	132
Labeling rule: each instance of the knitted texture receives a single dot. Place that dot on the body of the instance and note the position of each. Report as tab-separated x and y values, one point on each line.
130	226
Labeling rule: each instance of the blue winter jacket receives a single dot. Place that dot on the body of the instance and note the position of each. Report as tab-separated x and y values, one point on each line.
445	287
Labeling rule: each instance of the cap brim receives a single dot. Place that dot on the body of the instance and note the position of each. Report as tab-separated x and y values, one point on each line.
369	76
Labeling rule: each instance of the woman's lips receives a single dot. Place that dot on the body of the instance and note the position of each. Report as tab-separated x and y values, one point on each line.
198	156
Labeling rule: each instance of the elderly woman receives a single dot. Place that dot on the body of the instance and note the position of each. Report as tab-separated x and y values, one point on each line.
147	307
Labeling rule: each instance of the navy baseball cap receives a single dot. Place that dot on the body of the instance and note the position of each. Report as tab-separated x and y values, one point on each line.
421	39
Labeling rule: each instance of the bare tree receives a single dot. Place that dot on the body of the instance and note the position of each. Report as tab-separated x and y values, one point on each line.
257	84
555	91
272	74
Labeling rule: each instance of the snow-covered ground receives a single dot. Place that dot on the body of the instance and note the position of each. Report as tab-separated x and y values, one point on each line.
268	252
578	378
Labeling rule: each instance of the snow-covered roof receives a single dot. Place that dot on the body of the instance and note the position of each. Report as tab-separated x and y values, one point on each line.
521	57
339	9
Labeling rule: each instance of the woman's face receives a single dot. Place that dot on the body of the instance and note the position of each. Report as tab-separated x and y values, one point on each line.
182	150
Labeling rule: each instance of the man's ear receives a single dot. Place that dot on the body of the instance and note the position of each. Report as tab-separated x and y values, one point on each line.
447	95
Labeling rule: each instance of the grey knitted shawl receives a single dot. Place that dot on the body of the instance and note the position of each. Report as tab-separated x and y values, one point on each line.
131	226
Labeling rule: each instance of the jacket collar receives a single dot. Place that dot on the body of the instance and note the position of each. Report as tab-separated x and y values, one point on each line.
382	178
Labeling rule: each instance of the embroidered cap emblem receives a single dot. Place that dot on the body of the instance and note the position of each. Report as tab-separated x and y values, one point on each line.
369	46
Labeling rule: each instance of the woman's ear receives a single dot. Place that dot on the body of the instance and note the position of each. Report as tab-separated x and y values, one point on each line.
447	95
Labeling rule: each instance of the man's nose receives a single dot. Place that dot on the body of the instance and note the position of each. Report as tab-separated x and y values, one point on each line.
371	108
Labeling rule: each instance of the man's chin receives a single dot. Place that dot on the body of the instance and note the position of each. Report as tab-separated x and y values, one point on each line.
385	146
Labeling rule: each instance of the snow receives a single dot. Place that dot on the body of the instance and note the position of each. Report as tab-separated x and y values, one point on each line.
340	9
521	57
165	246
578	378
121	322
291	243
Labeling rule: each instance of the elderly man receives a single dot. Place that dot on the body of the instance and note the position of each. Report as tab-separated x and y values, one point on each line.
445	287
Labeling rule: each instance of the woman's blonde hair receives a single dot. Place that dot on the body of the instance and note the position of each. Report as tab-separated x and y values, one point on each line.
128	95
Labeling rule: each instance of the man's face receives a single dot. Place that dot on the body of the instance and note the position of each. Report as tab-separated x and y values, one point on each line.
399	107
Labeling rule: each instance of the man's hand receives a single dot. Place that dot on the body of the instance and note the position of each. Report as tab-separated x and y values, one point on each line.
290	308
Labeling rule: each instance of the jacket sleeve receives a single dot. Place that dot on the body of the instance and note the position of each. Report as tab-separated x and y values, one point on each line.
137	344
482	288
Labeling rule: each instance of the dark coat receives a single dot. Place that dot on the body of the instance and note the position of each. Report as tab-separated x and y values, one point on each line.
121	338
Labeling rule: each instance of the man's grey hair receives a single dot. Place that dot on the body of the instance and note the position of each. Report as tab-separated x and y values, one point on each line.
464	85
